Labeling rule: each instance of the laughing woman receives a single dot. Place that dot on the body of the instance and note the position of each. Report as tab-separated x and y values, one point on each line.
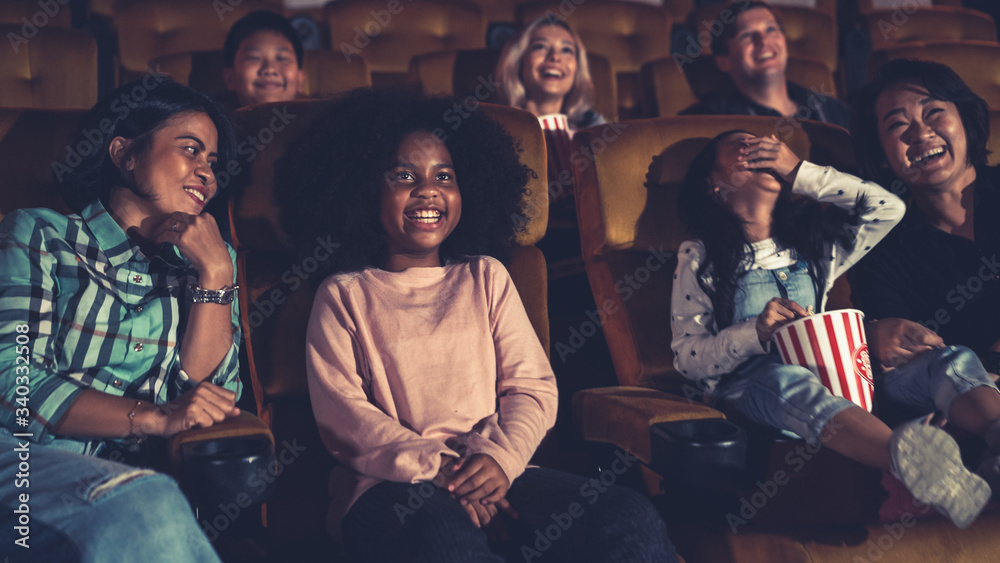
544	70
117	322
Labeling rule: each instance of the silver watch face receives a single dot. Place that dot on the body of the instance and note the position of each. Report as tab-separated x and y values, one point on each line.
222	296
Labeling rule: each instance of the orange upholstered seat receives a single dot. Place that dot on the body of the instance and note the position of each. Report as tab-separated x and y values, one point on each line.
976	62
887	27
387	35
148	29
56	68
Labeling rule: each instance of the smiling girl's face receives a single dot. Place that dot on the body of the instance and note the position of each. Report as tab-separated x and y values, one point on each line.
421	202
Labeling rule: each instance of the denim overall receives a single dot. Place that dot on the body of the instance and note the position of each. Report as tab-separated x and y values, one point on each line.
763	389
792	399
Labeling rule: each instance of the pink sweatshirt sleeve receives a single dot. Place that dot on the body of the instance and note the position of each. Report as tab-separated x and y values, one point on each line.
355	431
526	385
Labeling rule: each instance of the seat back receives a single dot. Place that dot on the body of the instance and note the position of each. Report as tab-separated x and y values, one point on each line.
976	62
34	144
388	35
994	143
55	69
469	72
327	73
887	27
629	229
29	15
905	6
148	29
629	34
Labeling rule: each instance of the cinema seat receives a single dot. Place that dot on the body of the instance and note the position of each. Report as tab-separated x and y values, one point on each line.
31	142
388	40
825	508
933	23
148	29
866	6
470	72
629	34
327	73
276	298
55	69
31	14
976	62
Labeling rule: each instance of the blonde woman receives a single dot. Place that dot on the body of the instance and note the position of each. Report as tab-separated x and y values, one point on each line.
544	70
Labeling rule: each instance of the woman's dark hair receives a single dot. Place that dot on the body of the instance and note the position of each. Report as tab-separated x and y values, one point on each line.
135	111
942	84
801	224
329	182
261	20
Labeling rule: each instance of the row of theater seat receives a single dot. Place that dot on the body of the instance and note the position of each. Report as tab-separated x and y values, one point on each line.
626	208
634	39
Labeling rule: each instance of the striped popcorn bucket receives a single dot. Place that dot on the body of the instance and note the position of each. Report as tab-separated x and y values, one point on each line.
832	345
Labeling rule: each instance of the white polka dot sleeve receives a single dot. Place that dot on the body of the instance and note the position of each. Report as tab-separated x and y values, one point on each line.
703	353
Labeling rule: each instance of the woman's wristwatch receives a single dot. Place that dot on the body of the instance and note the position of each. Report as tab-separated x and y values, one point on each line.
222	296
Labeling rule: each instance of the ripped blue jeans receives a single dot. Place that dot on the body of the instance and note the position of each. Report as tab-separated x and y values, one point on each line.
64	506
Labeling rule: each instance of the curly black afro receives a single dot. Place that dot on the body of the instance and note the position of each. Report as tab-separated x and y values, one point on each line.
329	181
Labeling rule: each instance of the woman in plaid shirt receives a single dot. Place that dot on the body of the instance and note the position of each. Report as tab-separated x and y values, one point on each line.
116	322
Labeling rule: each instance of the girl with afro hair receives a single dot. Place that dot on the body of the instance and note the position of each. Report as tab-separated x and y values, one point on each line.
427	380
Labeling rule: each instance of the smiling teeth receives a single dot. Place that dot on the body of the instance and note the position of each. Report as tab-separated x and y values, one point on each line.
928	154
425	215
196	193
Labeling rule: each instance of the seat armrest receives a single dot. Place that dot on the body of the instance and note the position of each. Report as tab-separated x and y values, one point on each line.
242	425
623	416
226	462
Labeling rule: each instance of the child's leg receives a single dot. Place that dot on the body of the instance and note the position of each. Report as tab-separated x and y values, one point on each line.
926	459
566	517
412	522
950	379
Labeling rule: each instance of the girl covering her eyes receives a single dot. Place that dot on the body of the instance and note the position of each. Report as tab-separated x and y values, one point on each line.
762	259
425	374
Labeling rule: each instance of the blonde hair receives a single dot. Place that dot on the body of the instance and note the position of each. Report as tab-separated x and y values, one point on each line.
580	98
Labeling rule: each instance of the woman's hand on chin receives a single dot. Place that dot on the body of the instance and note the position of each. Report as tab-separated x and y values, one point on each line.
198	239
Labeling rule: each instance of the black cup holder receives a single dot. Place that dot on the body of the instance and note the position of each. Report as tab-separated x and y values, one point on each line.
227	470
702	453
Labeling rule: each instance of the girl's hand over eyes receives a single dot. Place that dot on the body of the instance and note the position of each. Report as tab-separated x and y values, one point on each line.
769	152
777	312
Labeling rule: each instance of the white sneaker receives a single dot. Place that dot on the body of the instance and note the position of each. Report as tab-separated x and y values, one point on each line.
926	459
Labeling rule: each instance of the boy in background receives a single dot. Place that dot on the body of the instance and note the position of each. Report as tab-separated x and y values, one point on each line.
263	60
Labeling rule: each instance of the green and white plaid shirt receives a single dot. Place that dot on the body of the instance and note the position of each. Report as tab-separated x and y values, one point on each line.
85	308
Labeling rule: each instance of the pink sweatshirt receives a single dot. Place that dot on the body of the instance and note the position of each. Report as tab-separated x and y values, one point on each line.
406	366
